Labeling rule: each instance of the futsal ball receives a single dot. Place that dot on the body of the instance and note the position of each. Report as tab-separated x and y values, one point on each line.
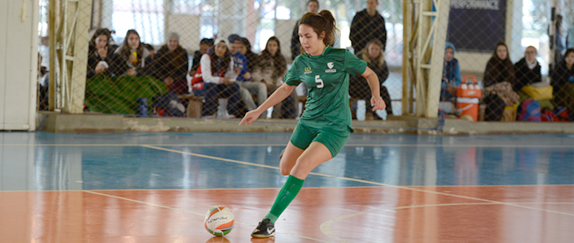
219	220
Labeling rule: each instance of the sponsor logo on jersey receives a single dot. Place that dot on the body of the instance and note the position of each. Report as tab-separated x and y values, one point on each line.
330	65
307	70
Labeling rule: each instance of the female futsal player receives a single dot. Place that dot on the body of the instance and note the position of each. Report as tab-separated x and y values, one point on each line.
325	125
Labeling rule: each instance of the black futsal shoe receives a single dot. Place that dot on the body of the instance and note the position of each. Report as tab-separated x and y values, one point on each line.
265	229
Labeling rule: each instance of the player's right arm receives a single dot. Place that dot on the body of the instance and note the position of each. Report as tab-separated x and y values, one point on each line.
279	95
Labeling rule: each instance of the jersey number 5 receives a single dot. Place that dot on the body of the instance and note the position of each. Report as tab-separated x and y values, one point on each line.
319	82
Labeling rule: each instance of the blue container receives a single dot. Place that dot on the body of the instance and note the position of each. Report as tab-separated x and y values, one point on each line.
142	107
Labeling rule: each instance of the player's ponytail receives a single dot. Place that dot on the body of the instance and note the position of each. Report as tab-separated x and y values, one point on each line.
322	22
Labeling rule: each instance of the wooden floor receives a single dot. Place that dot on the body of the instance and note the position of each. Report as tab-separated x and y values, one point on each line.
393	188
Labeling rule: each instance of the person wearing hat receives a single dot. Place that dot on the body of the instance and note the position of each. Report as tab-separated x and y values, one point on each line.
241	67
171	65
219	79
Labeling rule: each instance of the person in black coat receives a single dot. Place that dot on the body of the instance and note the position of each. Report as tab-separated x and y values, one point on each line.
367	25
527	70
170	65
563	82
359	87
499	68
100	53
312	7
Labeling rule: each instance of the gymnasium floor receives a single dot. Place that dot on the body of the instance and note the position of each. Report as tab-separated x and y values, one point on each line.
380	188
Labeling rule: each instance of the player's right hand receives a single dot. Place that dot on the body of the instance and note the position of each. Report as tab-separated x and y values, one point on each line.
250	117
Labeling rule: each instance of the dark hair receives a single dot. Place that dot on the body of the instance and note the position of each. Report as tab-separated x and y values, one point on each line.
247	44
225	61
125	51
149	47
316	1
206	41
495	55
571	50
279	62
321	22
104	31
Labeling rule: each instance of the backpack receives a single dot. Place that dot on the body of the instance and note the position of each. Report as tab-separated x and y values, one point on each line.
562	114
494	107
546	115
170	103
529	110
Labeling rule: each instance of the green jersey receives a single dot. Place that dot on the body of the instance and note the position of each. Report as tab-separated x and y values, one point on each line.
327	79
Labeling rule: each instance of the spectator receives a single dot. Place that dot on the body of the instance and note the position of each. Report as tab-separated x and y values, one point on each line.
450	75
248	88
100	53
367	25
219	78
312	7
151	50
132	56
527	70
252	58
560	47
205	45
358	85
499	68
272	67
563	82
171	65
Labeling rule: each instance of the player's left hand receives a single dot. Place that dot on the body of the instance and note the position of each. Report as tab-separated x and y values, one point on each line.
378	104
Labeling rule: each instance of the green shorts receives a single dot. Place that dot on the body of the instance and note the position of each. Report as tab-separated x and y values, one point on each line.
334	140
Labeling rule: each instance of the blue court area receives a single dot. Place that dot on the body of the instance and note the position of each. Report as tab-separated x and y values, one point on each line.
45	161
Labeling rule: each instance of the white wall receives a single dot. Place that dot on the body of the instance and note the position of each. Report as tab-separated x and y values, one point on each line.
18	64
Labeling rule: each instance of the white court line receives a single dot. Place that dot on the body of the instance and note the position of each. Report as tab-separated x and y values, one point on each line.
199	214
347	145
362	181
326	226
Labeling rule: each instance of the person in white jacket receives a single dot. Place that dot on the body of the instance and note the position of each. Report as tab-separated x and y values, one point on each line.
219	78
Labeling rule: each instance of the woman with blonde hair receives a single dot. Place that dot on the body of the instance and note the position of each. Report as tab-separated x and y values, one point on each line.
359	86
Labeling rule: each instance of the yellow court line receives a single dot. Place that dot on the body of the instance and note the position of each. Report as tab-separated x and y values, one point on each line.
326	226
199	214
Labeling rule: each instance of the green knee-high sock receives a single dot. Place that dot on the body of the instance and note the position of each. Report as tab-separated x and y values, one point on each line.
285	196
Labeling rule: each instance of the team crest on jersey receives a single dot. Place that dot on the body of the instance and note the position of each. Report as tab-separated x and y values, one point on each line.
307	70
330	65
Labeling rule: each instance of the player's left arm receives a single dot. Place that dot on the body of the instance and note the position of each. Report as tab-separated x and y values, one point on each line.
376	100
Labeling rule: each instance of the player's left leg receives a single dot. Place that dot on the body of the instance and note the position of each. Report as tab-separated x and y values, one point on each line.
312	157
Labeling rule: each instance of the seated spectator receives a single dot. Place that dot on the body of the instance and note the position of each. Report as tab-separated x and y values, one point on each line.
527	70
450	75
359	87
219	78
151	50
248	87
131	57
563	82
499	68
100	53
252	58
205	45
270	71
171	65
